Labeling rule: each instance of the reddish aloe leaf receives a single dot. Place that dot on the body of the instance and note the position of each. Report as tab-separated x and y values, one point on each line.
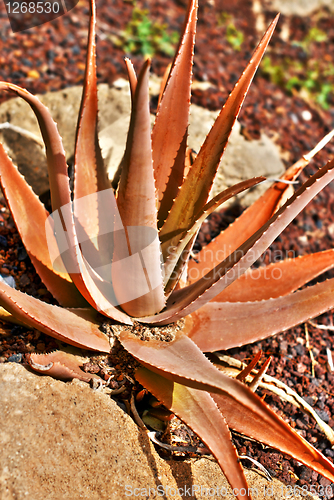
30	216
79	271
132	77
182	362
251	219
277	279
178	172
171	123
195	189
219	325
90	174
275	432
59	181
173	247
198	410
69	326
189	299
57	167
246	371
137	207
60	365
164	83
179	269
101	291
8	317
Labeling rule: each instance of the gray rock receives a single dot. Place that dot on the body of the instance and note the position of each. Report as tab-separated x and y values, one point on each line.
25	148
299	7
8	279
65	441
242	159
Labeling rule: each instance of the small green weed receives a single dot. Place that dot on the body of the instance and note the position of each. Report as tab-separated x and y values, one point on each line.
315	78
234	36
146	37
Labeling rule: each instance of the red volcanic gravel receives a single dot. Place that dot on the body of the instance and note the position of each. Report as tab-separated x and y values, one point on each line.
52	56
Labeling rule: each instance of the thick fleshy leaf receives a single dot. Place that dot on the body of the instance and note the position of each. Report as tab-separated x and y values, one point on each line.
223	325
198	410
179	269
58	177
7	317
173	247
277	279
182	362
252	219
89	173
132	77
74	262
275	433
59	181
189	299
76	327
59	364
164	83
136	202
30	215
171	123
195	189
57	169
246	371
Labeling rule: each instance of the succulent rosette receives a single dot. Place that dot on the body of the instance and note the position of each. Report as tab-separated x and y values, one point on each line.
118	251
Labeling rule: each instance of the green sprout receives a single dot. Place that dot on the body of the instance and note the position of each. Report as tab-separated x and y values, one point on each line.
146	37
315	79
234	36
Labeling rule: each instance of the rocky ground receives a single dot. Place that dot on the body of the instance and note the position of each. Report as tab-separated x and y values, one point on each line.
291	100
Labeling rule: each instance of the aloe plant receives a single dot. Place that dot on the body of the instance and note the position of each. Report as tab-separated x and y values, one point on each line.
122	257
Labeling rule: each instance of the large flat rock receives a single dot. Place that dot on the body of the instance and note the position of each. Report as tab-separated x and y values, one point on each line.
299	7
64	441
242	159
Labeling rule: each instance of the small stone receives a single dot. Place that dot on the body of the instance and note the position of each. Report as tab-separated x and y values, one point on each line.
306	115
305	473
325	482
300	349
15	358
9	280
33	74
311	400
21	253
24	280
323	415
283	347
3	241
